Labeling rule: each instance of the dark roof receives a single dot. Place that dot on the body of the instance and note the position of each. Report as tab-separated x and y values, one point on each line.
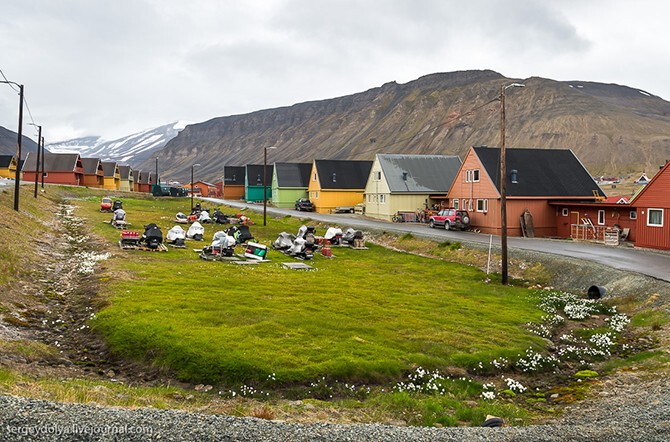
144	177
293	174
233	175
90	165
109	167
53	162
419	173
124	172
540	172
254	171
343	174
6	160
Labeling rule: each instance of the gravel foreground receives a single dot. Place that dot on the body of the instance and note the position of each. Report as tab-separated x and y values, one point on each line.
623	408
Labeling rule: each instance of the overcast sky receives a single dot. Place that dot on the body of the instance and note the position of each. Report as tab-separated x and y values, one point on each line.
115	67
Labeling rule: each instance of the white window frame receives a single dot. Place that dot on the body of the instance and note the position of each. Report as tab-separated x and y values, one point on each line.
632	214
601	217
484	207
565	211
314	177
470	204
456	204
382	198
475	176
649	217
468	176
378	175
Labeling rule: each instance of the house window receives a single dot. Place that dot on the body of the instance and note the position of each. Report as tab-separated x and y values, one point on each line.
482	205
564	212
468	175
382	198
601	217
470	205
314	177
378	175
655	217
632	214
456	204
316	194
475	175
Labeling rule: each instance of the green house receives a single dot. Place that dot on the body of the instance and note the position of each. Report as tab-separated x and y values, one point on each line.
289	183
253	182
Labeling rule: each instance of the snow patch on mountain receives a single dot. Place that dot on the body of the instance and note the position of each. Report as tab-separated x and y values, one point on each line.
132	149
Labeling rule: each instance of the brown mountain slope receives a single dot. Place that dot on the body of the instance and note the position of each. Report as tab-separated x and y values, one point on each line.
8	143
613	129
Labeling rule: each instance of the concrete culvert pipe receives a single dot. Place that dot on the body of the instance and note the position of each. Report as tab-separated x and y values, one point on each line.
596	292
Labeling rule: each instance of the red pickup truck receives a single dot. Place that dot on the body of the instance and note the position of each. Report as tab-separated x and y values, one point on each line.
450	219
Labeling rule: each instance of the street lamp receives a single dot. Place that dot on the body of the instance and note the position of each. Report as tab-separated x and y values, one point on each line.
503	183
37	163
192	185
265	186
17	179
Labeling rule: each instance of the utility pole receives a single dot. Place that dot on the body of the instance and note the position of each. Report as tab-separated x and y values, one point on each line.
37	163
43	155
18	151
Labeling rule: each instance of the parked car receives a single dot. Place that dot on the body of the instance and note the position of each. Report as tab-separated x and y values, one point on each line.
450	219
303	204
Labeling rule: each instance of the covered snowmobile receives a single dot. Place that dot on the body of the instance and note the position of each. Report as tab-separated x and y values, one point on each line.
352	237
222	245
204	217
181	218
118	204
152	237
241	233
176	236
119	219
195	231
333	235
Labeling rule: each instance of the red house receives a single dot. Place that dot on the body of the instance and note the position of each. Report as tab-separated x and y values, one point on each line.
534	179
653	212
59	168
601	214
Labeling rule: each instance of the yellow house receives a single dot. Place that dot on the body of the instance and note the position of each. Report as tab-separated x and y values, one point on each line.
8	166
337	183
112	175
407	183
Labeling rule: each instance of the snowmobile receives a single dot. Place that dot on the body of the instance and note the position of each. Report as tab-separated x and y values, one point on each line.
196	231
333	236
284	241
307	233
119	219
106	205
240	233
152	237
204	217
353	238
118	204
222	245
219	217
176	236
181	218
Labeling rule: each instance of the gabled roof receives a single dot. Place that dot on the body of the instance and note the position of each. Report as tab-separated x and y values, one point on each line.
419	173
90	165
6	160
616	200
643	189
110	168
540	172
254	171
293	174
144	177
343	174
233	175
53	162
124	172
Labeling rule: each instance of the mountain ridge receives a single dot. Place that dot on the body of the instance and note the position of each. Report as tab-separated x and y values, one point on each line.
611	128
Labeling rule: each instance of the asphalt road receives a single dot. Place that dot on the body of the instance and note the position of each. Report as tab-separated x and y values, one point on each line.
644	261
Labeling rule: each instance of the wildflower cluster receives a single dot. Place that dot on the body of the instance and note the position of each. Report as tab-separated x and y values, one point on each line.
514	385
245	391
429	382
534	361
618	322
88	260
488	391
322	389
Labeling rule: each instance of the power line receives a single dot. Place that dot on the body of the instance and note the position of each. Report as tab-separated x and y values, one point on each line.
10	83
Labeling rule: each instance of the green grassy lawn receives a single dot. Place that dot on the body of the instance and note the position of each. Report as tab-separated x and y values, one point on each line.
364	316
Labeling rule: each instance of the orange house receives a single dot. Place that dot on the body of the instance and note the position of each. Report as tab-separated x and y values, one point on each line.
59	168
233	187
337	183
93	172
653	212
534	179
137	180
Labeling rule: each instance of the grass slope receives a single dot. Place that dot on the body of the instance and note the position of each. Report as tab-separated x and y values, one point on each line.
364	316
